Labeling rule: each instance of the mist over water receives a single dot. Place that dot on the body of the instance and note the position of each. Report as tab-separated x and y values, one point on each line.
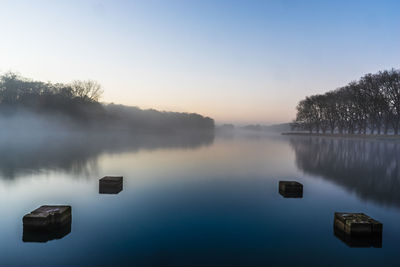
32	143
189	195
119	146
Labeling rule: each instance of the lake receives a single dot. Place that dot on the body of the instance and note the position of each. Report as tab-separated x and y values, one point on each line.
199	199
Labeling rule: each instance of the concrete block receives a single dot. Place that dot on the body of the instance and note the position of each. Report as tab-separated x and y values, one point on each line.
110	185
290	189
47	217
357	224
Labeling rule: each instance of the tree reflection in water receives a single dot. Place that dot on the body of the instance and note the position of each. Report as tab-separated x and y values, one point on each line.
78	152
368	167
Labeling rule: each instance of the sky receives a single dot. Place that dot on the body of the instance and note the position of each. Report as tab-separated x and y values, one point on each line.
238	62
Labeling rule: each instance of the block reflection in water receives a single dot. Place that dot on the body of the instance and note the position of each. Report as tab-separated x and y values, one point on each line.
290	189
358	229
44	235
357	241
46	223
110	185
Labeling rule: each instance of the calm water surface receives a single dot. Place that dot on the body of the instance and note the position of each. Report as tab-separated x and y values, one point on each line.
199	200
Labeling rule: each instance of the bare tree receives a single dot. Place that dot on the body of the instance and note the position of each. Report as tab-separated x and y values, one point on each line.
390	84
372	102
89	89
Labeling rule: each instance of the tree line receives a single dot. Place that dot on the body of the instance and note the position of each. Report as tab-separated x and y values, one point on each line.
75	99
78	101
369	105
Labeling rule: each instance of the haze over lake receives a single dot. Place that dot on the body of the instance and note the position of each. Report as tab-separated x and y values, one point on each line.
189	196
199	133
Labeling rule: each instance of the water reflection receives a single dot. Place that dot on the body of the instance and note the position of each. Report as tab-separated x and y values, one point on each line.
358	241
77	152
370	168
43	236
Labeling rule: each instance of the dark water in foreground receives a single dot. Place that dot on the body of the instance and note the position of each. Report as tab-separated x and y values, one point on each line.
199	200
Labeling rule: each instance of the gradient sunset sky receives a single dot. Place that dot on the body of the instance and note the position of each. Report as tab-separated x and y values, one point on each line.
235	61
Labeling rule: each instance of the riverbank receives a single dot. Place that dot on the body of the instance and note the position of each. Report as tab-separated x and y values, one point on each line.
336	135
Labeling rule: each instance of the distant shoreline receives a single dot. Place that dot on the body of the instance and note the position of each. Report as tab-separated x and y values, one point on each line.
368	136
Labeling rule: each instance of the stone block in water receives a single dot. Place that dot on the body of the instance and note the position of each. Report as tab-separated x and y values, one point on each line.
291	189
357	224
358	230
45	235
110	184
47	217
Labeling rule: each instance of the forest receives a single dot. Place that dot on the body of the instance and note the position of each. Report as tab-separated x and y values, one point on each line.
77	105
370	105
